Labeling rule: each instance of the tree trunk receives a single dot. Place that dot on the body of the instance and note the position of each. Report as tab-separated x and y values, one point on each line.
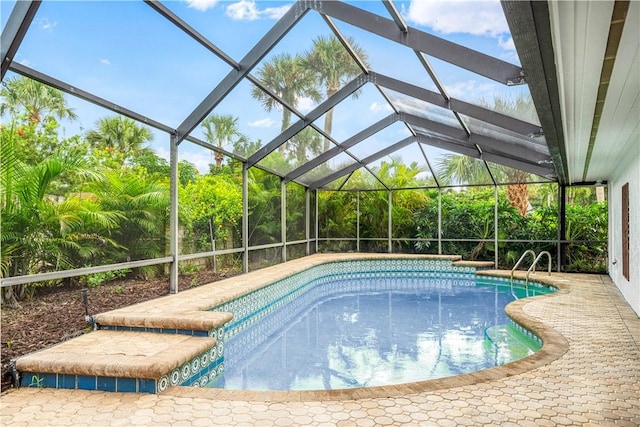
328	119
219	157
328	125
518	196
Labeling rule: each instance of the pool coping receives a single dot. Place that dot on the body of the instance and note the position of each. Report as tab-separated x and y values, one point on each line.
555	345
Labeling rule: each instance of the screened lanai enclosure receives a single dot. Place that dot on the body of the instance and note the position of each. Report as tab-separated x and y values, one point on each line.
166	136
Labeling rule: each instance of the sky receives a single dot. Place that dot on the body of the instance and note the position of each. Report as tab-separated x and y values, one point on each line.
127	53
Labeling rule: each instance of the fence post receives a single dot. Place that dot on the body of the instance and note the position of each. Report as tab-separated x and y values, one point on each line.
173	214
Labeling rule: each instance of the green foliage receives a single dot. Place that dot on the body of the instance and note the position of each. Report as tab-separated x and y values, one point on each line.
296	202
336	214
189	268
118	141
42	231
142	205
264	208
211	203
96	279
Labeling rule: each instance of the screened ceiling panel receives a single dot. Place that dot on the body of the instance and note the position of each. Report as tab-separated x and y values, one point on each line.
441	162
217	20
420	108
383	139
362	179
387	57
337	184
297	151
478	23
465	85
507	175
336	163
258	118
408	169
532	143
102	65
364	108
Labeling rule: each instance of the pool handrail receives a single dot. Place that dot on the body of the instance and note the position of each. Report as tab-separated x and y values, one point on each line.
533	266
533	254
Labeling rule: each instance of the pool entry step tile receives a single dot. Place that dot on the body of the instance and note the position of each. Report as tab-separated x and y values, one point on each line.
122	361
195	322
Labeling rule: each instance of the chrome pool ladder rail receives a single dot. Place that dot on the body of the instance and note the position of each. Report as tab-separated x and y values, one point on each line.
533	267
533	254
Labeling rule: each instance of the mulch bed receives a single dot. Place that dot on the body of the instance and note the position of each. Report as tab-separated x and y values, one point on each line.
56	314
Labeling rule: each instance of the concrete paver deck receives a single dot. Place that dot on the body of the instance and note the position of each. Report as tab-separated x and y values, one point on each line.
593	378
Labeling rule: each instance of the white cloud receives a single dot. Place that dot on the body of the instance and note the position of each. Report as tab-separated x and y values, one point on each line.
244	10
275	12
47	25
480	18
263	123
105	61
376	107
25	62
247	10
462	90
200	161
305	104
201	5
506	43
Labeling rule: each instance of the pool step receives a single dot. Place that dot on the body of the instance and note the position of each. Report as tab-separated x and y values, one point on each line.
140	319
509	343
122	361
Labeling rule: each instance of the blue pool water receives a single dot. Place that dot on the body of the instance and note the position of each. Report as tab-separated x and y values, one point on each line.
360	332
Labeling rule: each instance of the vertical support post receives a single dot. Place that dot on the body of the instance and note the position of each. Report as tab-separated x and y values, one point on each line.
173	214
439	221
390	219
283	218
562	227
495	226
213	245
317	224
358	221
245	217
307	218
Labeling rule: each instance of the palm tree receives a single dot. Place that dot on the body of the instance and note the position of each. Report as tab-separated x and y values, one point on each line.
333	66
143	205
306	141
41	232
219	130
287	78
396	174
36	99
120	139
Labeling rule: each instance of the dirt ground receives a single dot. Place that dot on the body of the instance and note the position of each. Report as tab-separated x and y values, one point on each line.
57	314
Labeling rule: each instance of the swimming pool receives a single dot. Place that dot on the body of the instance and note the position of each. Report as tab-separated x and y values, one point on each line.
371	323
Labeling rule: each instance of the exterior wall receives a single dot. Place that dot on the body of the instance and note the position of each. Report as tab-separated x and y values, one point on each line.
626	174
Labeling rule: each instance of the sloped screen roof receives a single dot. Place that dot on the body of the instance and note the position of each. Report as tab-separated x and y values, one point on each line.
326	94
